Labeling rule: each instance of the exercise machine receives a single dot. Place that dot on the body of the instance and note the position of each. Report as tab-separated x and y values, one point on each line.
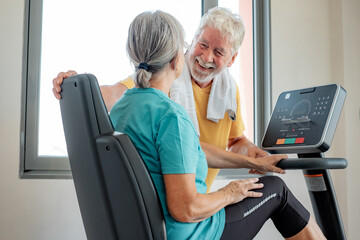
303	122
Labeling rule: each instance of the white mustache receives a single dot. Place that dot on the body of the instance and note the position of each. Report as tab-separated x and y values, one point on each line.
204	64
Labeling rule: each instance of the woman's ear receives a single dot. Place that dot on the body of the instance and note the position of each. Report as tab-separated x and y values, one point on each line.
177	64
173	63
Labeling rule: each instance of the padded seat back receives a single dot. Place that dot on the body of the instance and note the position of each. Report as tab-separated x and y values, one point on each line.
116	195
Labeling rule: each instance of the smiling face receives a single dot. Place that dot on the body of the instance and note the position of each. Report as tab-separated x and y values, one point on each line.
209	54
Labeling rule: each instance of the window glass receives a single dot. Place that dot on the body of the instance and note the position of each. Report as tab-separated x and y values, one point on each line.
90	36
242	69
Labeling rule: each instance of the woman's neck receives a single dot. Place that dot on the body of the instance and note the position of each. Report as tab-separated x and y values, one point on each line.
162	82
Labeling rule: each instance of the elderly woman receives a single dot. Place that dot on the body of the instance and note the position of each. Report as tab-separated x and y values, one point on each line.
166	139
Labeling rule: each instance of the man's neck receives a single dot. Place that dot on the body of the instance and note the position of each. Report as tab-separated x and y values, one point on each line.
202	84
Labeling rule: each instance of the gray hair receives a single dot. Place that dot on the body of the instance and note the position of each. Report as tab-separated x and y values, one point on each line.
154	40
229	24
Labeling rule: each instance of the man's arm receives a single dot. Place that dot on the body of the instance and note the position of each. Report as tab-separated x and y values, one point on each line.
110	93
220	158
242	145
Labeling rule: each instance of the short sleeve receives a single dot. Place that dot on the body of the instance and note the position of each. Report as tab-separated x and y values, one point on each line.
128	82
237	126
177	145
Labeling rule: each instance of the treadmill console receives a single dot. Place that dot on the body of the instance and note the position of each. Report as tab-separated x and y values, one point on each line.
304	120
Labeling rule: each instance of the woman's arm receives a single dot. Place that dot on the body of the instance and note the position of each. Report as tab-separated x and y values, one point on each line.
185	204
219	158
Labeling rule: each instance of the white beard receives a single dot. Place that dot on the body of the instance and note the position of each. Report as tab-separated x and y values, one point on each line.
197	74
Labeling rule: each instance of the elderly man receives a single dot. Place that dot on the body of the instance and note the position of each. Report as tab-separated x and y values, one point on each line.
210	95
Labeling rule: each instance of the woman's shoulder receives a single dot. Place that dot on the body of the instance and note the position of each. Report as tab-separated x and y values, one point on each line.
156	101
178	112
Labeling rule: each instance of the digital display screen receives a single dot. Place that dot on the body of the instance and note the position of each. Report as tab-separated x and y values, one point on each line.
300	117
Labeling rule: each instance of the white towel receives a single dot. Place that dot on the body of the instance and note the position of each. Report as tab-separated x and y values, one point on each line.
222	96
182	93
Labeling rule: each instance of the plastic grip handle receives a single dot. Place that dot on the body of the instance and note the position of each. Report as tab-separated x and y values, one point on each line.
312	163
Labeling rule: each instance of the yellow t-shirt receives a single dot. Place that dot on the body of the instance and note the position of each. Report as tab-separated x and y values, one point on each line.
216	134
128	82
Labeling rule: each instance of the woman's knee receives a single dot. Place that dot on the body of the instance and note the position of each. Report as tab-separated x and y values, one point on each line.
275	180
273	184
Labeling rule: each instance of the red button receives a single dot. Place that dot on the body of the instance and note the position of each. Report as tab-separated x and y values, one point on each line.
299	140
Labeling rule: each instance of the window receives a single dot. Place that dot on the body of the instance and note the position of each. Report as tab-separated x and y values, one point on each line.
242	69
83	37
252	71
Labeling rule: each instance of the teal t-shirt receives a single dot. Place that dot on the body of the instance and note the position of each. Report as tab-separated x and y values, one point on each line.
164	136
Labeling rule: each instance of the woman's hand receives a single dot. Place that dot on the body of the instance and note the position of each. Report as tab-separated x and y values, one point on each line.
238	190
59	80
185	204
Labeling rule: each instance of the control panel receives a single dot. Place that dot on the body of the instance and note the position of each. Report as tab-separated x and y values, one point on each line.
304	120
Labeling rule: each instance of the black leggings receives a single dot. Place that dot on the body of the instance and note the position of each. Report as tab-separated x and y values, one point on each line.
245	219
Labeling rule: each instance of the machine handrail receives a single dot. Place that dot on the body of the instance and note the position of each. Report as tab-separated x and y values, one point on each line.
312	163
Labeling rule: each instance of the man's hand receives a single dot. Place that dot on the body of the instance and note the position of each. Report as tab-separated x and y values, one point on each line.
242	145
264	163
110	93
59	80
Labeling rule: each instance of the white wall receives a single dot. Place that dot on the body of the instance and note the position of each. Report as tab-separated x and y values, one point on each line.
351	65
29	209
316	43
300	58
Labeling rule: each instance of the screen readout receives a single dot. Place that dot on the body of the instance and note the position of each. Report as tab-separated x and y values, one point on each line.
299	118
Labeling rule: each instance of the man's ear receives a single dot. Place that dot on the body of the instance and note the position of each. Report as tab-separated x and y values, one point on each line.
232	59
